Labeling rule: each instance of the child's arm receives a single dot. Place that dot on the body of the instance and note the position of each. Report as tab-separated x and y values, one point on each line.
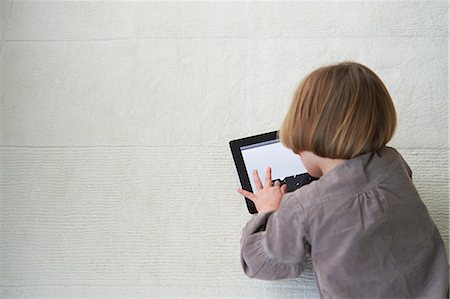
274	243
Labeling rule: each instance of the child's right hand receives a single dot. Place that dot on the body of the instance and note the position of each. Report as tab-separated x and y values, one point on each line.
267	198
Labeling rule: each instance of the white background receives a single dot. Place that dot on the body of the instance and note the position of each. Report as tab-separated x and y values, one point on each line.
116	179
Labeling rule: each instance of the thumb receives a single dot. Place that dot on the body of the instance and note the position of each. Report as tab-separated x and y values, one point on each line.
283	188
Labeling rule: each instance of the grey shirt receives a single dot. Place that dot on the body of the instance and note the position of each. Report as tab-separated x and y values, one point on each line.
365	227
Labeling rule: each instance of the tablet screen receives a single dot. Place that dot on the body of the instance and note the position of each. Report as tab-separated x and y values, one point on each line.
285	163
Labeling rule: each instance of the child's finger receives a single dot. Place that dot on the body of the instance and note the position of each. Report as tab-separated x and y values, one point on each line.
257	180
283	188
269	176
247	194
276	184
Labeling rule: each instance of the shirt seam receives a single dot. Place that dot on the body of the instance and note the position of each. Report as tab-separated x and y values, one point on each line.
305	220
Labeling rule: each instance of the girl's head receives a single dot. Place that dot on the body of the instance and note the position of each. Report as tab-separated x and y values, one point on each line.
339	112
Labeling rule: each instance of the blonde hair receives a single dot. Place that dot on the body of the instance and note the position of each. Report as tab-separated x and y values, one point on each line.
339	111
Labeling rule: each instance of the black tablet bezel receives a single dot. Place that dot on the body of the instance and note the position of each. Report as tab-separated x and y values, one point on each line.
235	146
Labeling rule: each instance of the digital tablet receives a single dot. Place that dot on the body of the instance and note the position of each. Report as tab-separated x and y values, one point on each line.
264	150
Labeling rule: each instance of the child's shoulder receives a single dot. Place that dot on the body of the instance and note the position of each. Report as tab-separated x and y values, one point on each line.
353	177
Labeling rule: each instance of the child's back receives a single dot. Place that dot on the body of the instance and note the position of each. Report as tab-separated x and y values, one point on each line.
368	233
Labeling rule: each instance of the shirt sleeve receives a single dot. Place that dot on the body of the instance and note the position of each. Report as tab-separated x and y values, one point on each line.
274	244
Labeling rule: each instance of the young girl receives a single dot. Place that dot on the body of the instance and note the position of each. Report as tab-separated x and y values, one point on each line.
363	223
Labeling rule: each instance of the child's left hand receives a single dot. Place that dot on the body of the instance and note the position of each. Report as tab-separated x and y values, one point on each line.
267	198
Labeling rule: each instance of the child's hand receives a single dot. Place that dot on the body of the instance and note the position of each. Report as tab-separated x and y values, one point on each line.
267	198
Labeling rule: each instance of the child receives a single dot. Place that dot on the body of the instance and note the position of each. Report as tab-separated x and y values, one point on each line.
363	223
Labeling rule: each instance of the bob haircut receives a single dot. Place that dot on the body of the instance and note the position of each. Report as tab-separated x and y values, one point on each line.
339	112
